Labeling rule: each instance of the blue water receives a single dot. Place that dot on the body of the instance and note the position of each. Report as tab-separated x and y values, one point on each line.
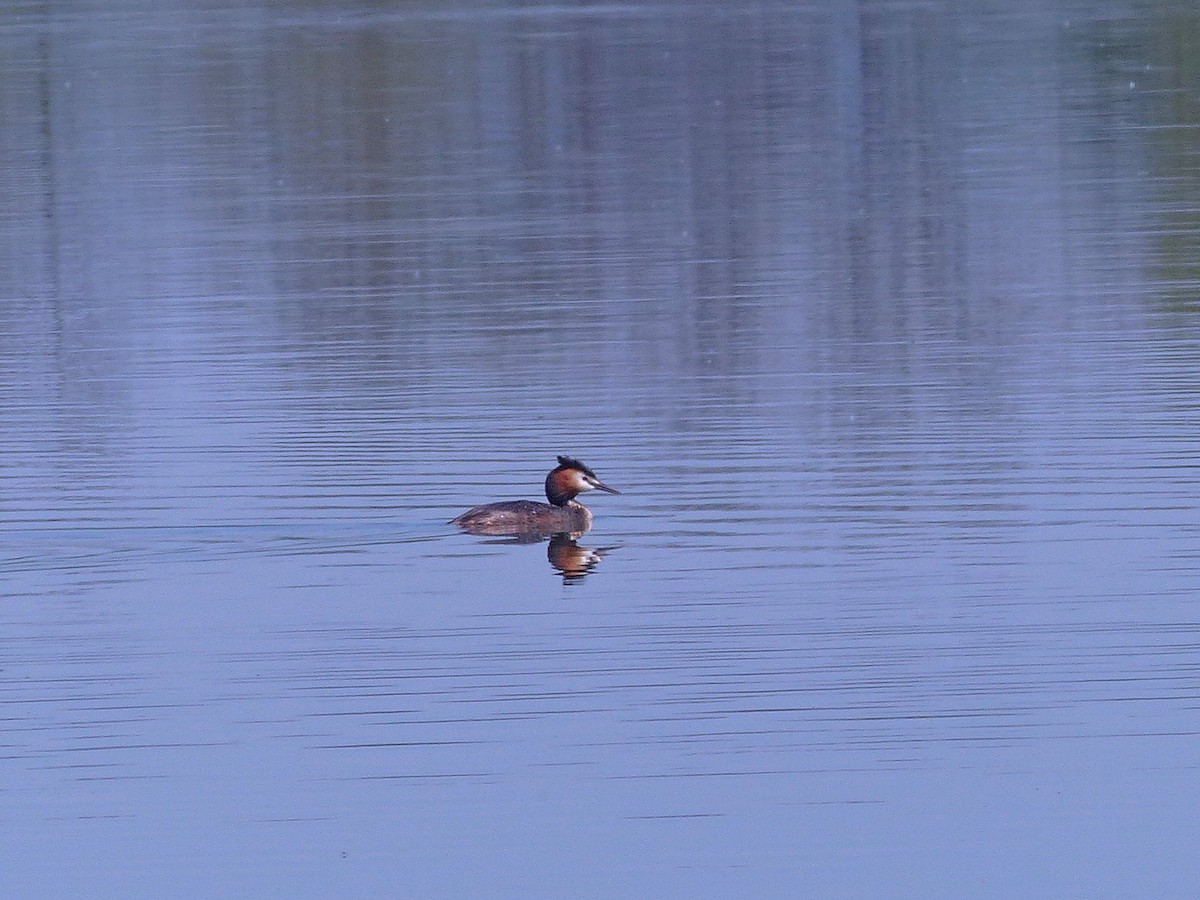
882	317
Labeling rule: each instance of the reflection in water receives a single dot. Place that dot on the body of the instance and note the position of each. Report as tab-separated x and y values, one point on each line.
572	560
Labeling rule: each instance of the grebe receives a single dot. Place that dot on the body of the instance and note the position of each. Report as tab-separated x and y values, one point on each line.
528	517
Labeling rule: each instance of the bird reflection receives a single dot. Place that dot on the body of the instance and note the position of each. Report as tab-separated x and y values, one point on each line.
570	559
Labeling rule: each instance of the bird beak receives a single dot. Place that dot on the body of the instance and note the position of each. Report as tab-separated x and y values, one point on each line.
600	486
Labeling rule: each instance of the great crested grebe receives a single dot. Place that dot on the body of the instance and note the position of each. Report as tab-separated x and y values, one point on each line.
528	517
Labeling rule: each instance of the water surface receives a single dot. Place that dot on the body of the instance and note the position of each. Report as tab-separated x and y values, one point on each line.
882	316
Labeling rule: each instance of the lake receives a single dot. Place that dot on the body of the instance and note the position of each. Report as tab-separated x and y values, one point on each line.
883	317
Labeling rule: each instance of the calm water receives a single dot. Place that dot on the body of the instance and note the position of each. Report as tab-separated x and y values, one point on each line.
885	318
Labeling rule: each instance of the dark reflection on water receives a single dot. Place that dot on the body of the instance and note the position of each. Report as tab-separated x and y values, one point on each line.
573	560
881	315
